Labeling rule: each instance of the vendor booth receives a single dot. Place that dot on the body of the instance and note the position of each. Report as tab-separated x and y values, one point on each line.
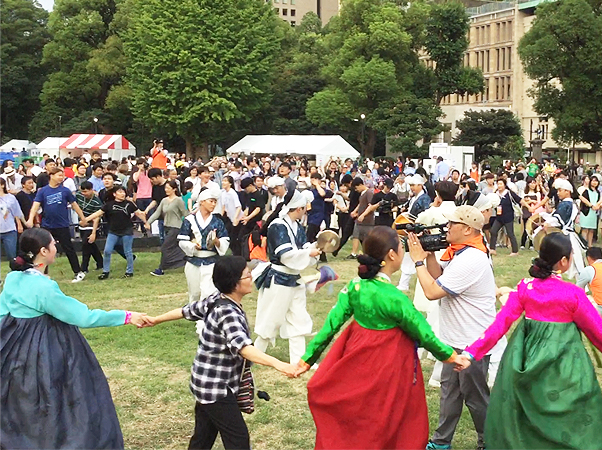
50	146
111	146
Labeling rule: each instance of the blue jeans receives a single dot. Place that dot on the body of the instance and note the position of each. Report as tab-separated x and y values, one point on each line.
112	241
9	242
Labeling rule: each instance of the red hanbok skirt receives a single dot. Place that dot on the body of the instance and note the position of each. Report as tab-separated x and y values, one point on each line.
368	393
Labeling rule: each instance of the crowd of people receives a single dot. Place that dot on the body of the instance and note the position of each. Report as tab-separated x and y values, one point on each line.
268	212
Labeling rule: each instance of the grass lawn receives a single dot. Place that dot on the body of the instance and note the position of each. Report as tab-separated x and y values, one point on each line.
148	369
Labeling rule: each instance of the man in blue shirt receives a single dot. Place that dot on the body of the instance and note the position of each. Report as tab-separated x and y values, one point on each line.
96	178
54	200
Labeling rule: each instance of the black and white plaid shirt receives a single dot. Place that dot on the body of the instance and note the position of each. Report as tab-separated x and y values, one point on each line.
218	364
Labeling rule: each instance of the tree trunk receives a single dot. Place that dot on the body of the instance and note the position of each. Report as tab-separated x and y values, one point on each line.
369	142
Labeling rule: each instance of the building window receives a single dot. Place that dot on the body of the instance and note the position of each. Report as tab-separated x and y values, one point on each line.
497	88
503	89
509	89
293	11
503	59
497	53
276	1
497	32
488	34
510	30
292	2
487	91
284	2
284	12
487	59
509	58
277	10
293	23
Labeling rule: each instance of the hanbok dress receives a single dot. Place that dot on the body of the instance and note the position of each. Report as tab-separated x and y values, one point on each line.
54	394
368	392
546	394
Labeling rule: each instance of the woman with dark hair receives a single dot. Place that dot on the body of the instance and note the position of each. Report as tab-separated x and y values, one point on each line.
11	221
590	205
171	210
53	392
369	392
531	198
505	216
221	375
546	394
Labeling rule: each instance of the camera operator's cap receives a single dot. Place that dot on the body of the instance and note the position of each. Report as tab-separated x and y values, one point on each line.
275	181
561	183
414	179
246	182
9	170
468	215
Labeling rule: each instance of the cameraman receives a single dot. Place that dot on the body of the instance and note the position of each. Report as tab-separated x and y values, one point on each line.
465	284
383	204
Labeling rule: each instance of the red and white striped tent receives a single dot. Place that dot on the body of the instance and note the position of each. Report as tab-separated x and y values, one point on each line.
113	146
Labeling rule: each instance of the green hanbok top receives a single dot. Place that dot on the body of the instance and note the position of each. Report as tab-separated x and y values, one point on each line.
376	304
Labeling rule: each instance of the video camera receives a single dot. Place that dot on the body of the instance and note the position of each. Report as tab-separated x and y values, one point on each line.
429	242
386	206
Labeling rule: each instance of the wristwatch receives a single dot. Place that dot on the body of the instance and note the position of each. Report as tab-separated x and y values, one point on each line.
418	264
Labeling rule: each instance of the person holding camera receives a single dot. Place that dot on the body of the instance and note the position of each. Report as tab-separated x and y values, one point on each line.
159	155
383	204
465	284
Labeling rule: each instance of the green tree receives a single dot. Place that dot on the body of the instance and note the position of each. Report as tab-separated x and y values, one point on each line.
446	42
494	132
371	58
23	35
84	63
197	64
562	52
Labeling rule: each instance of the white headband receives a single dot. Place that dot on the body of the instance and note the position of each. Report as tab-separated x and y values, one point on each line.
206	194
298	200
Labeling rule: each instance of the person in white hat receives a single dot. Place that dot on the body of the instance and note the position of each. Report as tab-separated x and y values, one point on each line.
281	303
202	238
419	202
464	285
13	180
277	189
564	217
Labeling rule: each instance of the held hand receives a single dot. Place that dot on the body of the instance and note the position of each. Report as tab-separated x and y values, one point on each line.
353	215
287	369
361	218
148	321
302	367
92	238
198	246
137	319
417	253
147	226
462	363
83	222
29	224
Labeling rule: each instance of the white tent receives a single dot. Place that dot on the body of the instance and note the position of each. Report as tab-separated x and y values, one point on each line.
50	145
18	145
322	147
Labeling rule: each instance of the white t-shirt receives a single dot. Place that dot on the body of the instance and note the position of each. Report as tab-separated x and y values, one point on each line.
229	201
469	308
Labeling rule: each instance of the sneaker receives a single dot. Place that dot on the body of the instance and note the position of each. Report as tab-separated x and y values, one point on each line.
134	257
432	446
103	276
351	256
522	247
335	253
157	273
127	275
326	275
79	277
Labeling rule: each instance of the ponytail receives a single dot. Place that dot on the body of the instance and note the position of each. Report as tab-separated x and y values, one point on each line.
368	267
553	248
22	262
31	242
541	269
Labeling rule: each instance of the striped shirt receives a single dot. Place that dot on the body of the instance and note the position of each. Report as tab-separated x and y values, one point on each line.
88	206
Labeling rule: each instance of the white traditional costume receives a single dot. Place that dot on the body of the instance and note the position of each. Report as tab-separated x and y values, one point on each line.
564	217
199	262
281	304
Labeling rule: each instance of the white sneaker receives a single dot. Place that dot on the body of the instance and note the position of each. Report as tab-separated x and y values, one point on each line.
79	277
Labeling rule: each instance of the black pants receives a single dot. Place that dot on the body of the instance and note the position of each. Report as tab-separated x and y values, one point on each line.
312	232
495	229
223	416
89	250
346	231
63	237
233	232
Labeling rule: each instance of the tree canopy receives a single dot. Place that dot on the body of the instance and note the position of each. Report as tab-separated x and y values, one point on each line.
562	52
23	34
493	132
196	63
